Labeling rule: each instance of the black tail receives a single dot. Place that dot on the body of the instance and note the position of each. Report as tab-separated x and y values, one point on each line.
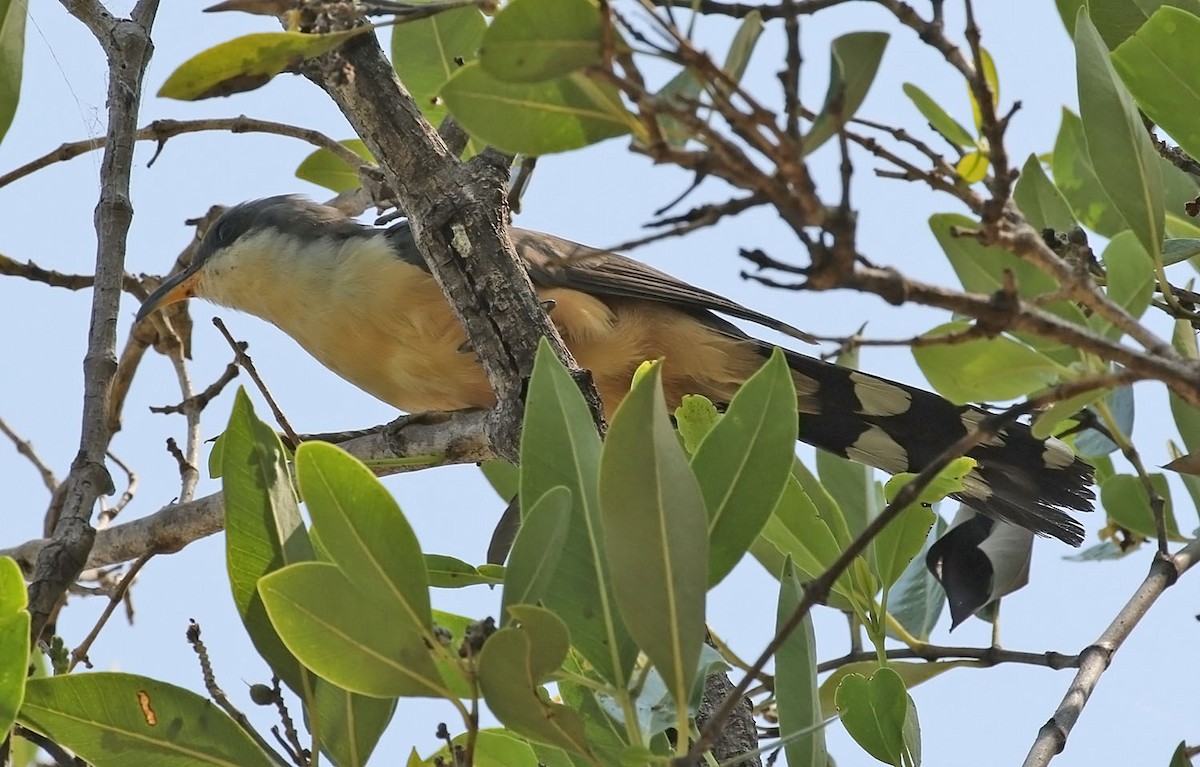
894	427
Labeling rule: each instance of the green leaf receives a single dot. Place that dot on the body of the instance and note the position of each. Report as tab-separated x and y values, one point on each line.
493	748
452	573
655	527
426	52
873	710
364	531
536	40
1121	153
1127	504
854	60
796	679
248	62
695	418
938	119
1076	179
324	168
348	636
898	543
1158	64
510	675
1117	20
1180	249
993	81
348	724
1041	202
133	721
504	478
742	45
948	481
14	641
912	672
536	118
973	167
1131	279
263	527
536	552
1179	757
982	269
12	52
979	370
796	530
916	598
560	446
744	462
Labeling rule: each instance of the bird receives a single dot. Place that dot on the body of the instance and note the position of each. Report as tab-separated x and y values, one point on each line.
362	301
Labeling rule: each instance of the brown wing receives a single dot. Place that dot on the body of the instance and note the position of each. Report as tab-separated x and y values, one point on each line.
555	262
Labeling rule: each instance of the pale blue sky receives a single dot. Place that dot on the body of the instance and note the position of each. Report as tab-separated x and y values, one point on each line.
598	196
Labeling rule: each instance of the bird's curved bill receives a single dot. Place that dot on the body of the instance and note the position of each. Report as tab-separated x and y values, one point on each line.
178	288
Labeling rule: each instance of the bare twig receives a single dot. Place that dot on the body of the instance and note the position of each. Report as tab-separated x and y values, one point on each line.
243	359
1096	658
80	653
161	130
25	448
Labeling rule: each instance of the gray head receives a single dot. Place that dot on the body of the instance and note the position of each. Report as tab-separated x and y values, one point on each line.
288	219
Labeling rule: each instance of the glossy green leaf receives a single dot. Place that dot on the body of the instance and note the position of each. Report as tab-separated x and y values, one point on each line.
826	506
510	681
854	60
1049	421
248	62
695	418
350	637
1041	202
973	167
948	481
1121	153
1180	249
365	532
796	679
912	672
134	721
1159	66
12	53
536	40
1186	416
938	119
1076	179
655	537
426	52
1127	504
1131	279
263	527
1117	20
446	572
14	641
980	370
993	81
898	543
873	710
537	550
492	748
536	118
916	598
797	531
560	446
324	168
744	462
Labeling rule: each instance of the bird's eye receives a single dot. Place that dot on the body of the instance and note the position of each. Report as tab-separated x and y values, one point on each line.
224	233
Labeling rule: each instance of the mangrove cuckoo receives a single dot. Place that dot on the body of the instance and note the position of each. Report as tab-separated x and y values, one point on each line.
362	301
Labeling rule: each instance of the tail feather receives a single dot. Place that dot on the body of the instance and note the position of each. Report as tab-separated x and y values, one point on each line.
894	427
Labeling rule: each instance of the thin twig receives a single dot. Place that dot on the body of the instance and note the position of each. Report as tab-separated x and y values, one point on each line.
1096	658
243	359
25	447
80	653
